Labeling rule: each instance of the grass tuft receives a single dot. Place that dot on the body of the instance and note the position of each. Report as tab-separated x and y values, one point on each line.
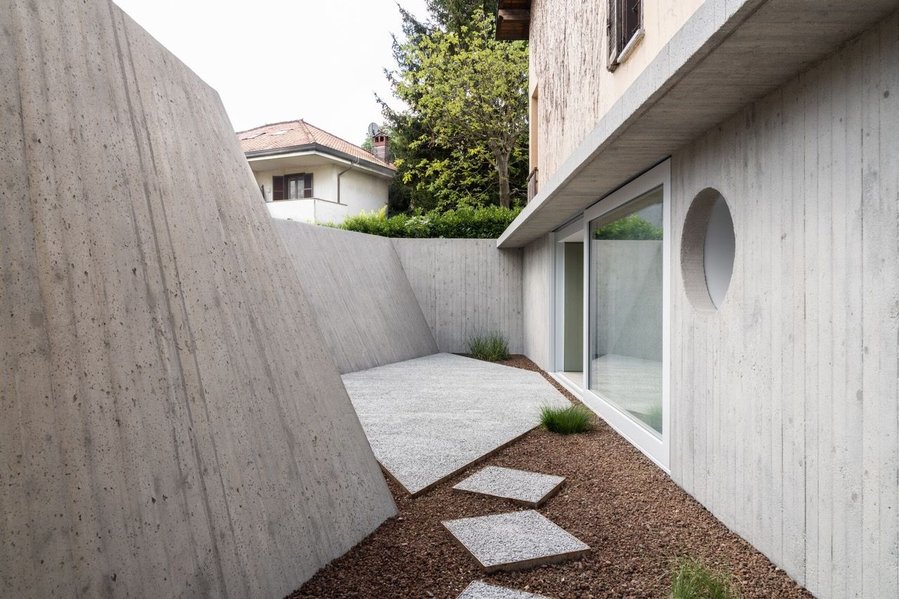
693	580
566	421
491	347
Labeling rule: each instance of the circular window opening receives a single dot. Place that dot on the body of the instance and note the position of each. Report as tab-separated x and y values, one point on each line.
707	250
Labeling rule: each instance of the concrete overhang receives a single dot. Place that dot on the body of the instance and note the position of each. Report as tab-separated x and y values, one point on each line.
282	157
728	54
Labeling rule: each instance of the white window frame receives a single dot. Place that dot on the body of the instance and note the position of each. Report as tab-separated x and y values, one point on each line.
655	447
617	57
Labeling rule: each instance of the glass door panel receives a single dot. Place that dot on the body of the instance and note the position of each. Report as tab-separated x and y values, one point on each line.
626	308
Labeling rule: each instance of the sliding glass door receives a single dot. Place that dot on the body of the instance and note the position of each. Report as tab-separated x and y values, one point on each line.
627	295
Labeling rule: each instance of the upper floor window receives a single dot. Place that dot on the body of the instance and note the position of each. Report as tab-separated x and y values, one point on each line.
292	187
625	29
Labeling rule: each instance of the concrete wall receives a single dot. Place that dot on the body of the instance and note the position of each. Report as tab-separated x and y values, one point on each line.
170	423
537	297
359	293
466	287
785	401
569	52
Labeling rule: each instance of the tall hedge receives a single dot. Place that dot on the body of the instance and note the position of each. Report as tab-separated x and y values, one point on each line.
468	223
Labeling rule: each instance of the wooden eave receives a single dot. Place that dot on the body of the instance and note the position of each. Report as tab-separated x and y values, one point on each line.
513	20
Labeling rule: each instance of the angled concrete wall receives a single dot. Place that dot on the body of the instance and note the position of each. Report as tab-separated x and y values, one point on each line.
785	401
466	287
170	422
360	296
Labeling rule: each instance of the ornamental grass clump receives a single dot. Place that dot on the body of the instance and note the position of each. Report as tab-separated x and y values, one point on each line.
694	580
491	347
566	421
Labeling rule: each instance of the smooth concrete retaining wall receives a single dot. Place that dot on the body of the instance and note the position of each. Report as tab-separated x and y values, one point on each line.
359	293
785	401
466	287
170	422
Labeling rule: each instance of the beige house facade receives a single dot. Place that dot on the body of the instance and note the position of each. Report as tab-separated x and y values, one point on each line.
711	257
309	175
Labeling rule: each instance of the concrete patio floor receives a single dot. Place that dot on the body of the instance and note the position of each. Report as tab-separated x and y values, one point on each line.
428	418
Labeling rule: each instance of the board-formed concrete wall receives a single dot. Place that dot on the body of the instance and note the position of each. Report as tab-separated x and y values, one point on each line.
785	402
358	290
170	423
537	279
466	288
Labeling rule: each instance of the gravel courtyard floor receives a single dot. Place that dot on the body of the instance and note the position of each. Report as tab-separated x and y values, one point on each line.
429	417
635	519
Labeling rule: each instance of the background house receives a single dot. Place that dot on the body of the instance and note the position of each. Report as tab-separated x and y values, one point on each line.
307	174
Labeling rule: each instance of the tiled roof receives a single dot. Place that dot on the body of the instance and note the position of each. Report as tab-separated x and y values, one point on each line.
291	134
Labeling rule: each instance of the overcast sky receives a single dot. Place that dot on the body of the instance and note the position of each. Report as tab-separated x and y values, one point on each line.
278	60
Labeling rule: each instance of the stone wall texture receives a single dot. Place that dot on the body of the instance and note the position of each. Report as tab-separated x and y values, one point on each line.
171	423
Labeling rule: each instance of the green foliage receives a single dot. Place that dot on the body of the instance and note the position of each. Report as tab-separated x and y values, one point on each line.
566	421
462	141
454	14
630	227
693	580
490	347
464	223
653	418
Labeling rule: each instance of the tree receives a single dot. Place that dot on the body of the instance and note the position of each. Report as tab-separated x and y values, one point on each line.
452	15
467	98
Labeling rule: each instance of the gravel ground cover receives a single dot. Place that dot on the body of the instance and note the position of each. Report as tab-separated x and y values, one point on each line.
635	519
429	417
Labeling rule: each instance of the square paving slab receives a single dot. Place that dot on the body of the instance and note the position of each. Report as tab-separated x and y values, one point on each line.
515	540
528	488
430	417
480	590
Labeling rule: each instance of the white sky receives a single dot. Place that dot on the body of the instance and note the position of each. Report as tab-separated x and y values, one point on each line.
278	60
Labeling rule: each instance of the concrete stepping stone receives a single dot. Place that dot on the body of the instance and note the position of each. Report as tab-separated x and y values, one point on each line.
480	590
515	540
528	488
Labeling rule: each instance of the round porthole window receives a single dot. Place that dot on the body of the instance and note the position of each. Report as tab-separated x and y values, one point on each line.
707	250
